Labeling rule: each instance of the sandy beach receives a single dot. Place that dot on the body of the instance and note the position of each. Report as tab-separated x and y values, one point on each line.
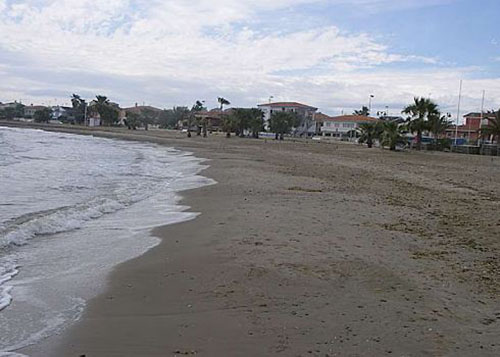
308	249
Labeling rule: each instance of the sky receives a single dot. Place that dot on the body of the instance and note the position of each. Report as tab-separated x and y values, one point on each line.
329	54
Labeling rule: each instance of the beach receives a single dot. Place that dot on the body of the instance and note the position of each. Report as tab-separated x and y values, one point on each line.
308	248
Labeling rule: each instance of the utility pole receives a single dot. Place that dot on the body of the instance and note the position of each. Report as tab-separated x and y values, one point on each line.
85	115
481	116
458	113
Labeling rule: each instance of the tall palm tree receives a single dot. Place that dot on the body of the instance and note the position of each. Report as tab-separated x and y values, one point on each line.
222	101
392	135
419	113
493	128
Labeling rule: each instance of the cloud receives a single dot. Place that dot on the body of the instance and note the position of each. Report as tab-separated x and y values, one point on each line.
173	52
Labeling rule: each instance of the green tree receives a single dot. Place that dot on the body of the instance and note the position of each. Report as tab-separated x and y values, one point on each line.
43	116
241	119
148	117
108	112
437	124
8	113
170	118
370	132
132	121
228	124
392	135
364	111
200	124
79	106
419	112
493	128
281	123
256	121
222	101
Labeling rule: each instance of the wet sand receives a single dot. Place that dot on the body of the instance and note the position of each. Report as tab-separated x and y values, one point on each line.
309	249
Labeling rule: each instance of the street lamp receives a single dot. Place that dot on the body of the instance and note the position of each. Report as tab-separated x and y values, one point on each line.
370	102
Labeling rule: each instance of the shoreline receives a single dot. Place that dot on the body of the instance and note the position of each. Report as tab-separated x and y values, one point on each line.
309	249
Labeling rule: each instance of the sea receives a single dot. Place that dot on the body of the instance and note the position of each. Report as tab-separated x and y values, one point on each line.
72	207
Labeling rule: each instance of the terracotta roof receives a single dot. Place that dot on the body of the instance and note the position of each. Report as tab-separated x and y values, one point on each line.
319	117
287	104
352	118
140	108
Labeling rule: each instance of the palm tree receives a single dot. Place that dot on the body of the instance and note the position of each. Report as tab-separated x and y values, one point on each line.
365	111
493	128
222	101
438	124
419	113
79	106
391	135
369	132
228	124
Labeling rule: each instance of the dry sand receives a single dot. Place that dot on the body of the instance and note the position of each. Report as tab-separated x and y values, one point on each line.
310	249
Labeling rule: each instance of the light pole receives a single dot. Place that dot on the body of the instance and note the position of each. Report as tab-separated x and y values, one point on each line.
458	113
370	103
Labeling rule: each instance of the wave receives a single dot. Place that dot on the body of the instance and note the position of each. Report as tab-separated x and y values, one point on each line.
8	270
19	231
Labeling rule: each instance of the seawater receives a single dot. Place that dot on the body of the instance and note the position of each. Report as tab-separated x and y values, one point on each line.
71	208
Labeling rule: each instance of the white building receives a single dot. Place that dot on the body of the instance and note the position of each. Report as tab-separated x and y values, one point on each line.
343	125
305	112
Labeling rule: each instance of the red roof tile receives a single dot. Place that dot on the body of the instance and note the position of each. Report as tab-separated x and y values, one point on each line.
286	104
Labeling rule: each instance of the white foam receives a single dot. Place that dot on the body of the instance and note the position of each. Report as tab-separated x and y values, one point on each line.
7	271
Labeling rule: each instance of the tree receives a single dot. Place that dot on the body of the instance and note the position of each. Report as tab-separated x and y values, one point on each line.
8	113
281	123
132	121
241	119
148	117
107	111
493	128
228	124
79	106
43	116
419	113
369	132
170	118
256	122
392	135
364	111
198	107
437	124
222	101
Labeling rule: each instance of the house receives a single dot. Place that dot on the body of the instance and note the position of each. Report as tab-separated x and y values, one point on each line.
139	109
214	118
305	113
64	114
470	130
344	125
30	110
